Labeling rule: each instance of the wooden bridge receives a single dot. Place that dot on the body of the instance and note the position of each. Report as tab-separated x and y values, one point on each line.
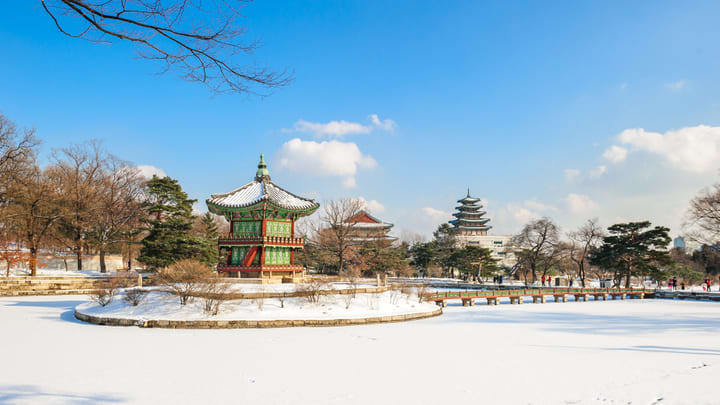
538	295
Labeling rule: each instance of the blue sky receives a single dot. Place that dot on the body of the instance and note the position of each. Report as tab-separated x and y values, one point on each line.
521	102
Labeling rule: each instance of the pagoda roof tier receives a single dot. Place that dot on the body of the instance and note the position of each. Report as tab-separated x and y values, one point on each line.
468	208
474	228
469	200
471	221
468	214
260	190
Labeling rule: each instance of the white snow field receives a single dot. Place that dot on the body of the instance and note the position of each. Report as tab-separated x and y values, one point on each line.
614	352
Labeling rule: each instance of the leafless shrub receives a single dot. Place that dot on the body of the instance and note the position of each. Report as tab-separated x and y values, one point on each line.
422	292
108	289
395	296
311	291
407	291
373	301
213	292
348	299
282	302
134	296
352	276
184	279
260	300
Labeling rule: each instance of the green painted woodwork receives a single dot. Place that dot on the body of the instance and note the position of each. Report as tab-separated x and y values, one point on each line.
247	228
277	255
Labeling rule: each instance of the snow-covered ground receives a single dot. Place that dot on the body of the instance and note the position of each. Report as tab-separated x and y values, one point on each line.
614	352
158	305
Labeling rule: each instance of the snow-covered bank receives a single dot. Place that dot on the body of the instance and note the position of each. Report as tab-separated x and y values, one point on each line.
612	352
158	305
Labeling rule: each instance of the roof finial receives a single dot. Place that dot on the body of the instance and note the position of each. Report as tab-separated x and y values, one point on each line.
468	192
262	171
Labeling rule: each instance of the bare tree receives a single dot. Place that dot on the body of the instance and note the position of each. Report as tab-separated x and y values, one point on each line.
582	241
337	236
17	150
200	40
119	207
536	246
77	174
33	210
703	216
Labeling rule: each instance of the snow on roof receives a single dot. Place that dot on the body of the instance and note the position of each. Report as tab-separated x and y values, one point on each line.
257	191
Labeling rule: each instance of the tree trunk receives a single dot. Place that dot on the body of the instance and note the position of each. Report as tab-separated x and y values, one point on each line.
103	268
8	269
65	262
627	281
78	256
33	262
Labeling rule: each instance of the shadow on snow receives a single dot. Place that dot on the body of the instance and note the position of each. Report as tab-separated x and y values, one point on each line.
31	393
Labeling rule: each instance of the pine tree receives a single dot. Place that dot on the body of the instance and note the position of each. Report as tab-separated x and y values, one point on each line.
633	250
169	224
209	237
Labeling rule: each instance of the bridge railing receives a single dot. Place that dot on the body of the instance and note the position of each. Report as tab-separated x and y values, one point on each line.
535	291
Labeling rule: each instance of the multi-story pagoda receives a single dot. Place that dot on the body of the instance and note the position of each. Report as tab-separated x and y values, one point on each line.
469	219
262	217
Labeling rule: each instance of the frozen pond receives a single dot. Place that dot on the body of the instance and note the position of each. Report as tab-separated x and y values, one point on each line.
614	352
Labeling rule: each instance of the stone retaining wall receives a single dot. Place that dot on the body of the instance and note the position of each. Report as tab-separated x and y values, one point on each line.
53	285
240	324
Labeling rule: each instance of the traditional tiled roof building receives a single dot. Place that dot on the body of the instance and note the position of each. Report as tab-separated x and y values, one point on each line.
262	216
366	227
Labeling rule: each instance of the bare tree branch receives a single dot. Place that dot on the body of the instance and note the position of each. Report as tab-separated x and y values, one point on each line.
200	40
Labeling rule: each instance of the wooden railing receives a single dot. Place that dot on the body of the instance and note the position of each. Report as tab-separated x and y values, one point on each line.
282	240
440	296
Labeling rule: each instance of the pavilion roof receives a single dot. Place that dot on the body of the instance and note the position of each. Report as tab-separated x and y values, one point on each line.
259	190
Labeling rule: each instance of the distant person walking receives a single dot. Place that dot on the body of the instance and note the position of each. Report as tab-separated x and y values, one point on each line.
674	283
542	280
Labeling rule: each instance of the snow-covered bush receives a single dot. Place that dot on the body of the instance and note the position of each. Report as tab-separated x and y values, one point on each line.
312	290
134	296
348	299
108	288
185	279
213	292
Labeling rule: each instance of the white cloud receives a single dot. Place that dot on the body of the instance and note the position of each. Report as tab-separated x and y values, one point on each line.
598	171
676	86
615	154
332	129
327	158
623	86
696	149
148	171
571	175
536	205
435	214
522	215
373	206
580	203
338	129
386	124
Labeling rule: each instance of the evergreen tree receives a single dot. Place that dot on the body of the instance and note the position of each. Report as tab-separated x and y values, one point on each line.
632	249
471	258
169	223
209	235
